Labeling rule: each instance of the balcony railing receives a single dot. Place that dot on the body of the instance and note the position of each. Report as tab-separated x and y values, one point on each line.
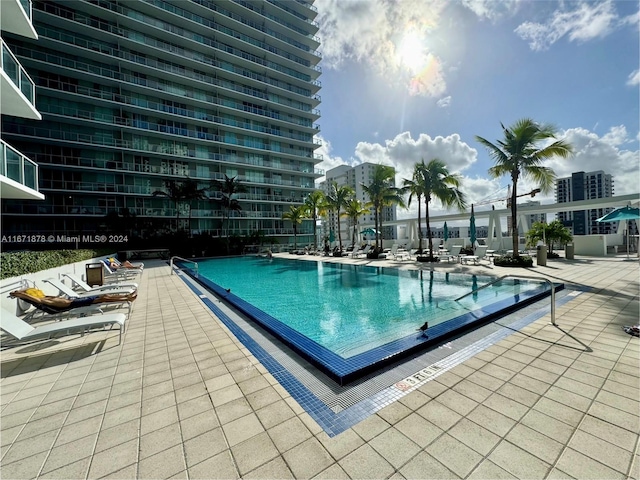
26	6
17	167
17	74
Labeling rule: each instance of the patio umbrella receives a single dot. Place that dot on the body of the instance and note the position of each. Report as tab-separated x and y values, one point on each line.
472	229
369	231
624	213
446	232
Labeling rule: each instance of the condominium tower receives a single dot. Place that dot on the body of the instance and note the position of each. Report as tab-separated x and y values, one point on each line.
136	94
585	186
18	174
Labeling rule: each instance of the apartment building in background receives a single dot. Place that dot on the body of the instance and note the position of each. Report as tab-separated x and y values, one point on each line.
585	186
355	177
18	173
134	94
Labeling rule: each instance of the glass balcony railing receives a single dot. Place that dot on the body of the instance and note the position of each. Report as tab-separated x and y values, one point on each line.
26	6
17	74
17	167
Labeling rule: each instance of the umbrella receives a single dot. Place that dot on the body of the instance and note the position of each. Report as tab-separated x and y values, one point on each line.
369	231
624	213
446	232
472	228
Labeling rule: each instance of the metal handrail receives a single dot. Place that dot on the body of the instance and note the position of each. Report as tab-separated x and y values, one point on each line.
524	277
184	260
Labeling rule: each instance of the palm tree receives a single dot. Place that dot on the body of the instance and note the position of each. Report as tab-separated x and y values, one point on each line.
414	187
174	191
314	204
520	154
438	183
191	193
354	209
382	193
338	198
295	215
229	188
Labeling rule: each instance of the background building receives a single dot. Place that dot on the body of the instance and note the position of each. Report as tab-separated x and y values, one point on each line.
18	174
585	186
137	93
355	177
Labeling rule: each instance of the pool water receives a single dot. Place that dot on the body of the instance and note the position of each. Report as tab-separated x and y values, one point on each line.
352	309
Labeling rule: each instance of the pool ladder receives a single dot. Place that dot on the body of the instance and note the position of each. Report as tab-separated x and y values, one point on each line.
522	277
184	260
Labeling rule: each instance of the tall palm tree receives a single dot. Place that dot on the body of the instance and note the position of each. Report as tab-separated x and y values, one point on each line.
295	215
520	154
439	184
229	188
314	204
338	198
353	210
382	193
414	187
174	191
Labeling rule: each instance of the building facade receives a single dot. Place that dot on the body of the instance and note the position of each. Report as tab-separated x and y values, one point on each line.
135	94
18	173
585	186
355	177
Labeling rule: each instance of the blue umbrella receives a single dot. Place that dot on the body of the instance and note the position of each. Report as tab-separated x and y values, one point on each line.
472	228
446	232
624	213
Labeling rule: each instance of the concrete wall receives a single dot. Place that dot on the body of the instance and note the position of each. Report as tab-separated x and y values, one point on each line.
592	245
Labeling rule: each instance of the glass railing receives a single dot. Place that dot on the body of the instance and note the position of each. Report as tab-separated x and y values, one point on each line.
17	74
26	6
17	167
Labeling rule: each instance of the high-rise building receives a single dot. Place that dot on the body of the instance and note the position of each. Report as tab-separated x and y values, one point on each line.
136	94
355	177
18	173
585	186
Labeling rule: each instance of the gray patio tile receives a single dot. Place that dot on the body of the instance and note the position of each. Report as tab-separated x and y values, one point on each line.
393	413
25	468
161	388
125	387
508	363
242	429
159	440
335	472
474	436
432	389
257	382
71	452
497	371
568	398
535	443
617	401
72	432
161	402
581	466
548	366
518	462
454	455
608	432
231	410
440	415
506	406
576	387
16	419
276	468
557	474
227	394
615	416
462	370
163	464
487	381
21	450
204	446
621	389
472	390
307	459
559	411
254	452
184	381
457	402
158	420
519	394
198	424
371	427
43	425
77	469
425	466
366	463
394	447
8	435
114	459
220	467
447	379
288	434
117	435
548	426
584	377
601	451
491	420
342	444
20	405
274	414
540	374
489	470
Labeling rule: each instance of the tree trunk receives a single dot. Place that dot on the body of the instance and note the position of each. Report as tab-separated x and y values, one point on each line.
514	220
295	237
426	216
419	226
315	233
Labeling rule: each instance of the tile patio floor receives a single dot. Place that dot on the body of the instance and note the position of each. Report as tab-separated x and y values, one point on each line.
182	398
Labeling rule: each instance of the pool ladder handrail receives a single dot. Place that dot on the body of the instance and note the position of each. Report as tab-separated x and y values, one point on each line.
184	260
523	277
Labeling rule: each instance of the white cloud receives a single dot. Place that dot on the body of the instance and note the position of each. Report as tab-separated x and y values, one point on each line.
328	160
492	9
444	102
634	78
375	33
585	22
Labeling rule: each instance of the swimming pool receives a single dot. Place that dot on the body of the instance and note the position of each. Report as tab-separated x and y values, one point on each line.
351	319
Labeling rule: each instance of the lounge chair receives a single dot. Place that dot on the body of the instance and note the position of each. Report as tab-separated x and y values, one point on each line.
481	252
69	292
399	253
85	286
363	251
120	273
126	264
21	330
454	253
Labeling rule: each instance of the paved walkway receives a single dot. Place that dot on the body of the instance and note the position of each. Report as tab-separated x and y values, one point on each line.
182	398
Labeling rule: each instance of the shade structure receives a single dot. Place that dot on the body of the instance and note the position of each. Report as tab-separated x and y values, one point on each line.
623	213
472	228
446	232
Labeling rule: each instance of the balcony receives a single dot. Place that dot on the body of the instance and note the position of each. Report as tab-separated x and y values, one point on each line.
15	17
18	175
18	90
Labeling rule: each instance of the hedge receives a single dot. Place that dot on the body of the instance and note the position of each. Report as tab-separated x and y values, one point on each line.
13	264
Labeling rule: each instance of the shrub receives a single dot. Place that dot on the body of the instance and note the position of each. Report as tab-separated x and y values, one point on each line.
509	261
13	264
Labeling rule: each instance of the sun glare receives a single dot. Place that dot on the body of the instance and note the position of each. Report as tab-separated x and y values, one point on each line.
411	52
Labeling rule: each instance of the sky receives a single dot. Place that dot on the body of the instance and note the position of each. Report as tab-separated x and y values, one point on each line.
407	80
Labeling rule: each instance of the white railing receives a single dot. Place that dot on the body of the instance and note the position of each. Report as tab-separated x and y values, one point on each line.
184	260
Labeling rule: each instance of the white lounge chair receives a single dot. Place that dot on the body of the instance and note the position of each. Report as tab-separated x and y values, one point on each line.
120	273
22	331
399	253
69	292
85	286
454	253
364	251
481	252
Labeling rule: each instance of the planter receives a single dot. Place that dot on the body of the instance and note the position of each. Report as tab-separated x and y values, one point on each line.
507	261
428	259
337	254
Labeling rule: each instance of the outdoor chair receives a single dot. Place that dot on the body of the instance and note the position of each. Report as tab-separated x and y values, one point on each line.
363	251
120	273
85	286
454	252
22	331
69	292
480	253
399	253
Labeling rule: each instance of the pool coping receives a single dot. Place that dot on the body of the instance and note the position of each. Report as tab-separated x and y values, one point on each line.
346	370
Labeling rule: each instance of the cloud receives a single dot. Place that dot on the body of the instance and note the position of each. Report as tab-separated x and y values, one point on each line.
328	160
388	36
444	102
492	10
585	22
634	78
